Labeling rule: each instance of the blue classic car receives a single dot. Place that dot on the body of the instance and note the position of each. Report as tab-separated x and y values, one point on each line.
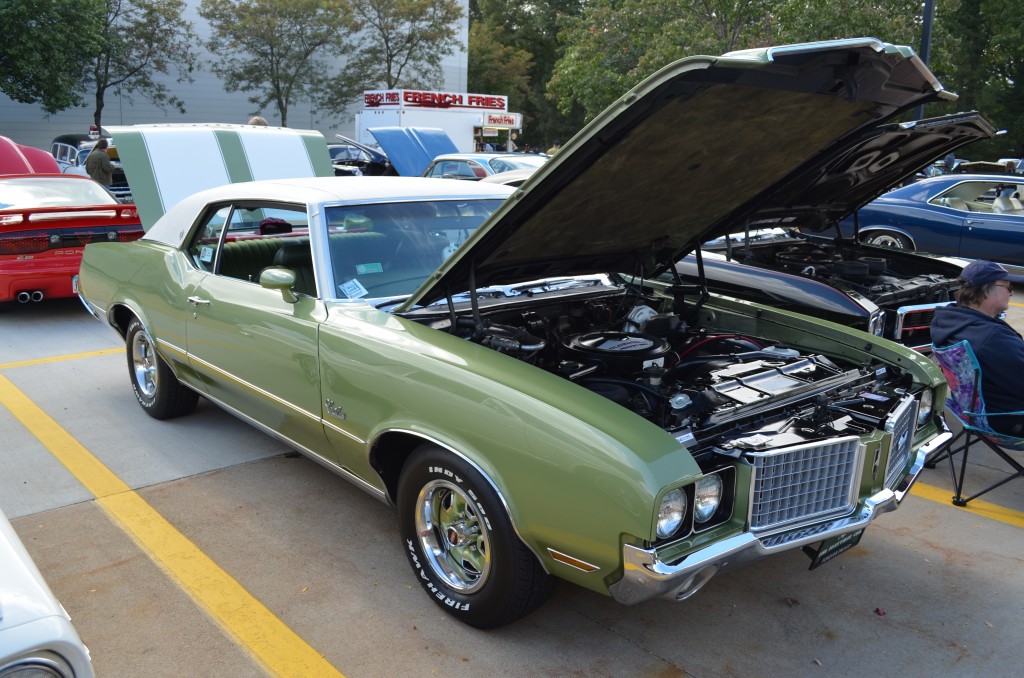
976	216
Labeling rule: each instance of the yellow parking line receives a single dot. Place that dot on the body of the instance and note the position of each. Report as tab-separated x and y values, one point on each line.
977	506
269	640
61	358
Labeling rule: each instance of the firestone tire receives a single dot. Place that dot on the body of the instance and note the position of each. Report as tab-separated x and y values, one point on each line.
156	388
461	544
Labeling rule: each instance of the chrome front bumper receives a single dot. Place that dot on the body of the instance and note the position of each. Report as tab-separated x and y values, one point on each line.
645	576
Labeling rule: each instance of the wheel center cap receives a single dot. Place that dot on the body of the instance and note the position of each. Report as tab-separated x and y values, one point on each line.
454	536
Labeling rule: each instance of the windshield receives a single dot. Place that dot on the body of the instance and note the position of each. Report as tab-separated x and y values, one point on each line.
25	193
389	250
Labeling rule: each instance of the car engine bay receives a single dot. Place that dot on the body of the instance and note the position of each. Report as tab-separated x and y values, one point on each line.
887	279
716	391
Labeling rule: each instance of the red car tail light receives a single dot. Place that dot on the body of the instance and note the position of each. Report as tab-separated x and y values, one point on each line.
129	235
23	243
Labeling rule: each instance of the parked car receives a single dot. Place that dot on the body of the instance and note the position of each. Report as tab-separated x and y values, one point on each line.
351	158
71	151
975	216
17	158
512	374
476	166
66	155
895	297
515	177
1018	164
36	634
45	222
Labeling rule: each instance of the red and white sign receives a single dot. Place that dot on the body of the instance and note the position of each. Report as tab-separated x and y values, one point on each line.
503	120
413	98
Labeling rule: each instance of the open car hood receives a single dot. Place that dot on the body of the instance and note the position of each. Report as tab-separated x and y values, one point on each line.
410	149
698	150
375	155
865	166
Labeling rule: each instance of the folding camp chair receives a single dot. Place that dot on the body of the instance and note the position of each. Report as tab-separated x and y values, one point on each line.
965	401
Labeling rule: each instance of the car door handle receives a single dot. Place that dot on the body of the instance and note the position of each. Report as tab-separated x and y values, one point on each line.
971	221
198	301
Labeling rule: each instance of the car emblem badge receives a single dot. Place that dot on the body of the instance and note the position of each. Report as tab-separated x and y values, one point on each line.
334	410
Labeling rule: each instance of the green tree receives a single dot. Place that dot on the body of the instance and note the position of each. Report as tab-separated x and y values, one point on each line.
139	41
402	45
895	21
406	40
36	68
279	50
530	28
495	67
983	62
614	44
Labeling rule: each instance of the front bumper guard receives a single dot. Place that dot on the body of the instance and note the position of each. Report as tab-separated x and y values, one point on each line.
645	576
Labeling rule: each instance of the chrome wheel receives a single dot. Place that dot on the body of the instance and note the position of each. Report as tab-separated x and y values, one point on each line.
890	240
460	542
451	536
144	364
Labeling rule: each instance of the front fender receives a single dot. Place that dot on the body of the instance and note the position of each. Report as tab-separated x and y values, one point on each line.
577	471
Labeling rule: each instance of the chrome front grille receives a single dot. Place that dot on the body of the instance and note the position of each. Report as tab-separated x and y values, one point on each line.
806	482
902	424
913	324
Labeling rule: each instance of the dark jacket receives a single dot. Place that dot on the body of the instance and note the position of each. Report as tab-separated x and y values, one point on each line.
999	349
99	167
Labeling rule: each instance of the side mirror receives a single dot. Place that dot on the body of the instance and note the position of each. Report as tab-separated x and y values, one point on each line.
283	279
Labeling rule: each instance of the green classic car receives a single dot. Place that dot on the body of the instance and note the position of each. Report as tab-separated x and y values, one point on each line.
508	370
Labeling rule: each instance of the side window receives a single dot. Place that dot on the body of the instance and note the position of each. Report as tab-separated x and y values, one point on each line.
204	244
240	241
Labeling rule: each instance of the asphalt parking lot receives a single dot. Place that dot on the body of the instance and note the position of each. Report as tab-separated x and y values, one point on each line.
201	547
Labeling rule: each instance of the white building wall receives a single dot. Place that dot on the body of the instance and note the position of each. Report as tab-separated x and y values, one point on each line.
205	101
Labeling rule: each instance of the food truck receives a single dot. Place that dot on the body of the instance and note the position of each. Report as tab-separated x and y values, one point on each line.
466	118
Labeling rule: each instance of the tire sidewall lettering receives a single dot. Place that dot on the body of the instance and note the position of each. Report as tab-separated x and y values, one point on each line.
428	581
454	477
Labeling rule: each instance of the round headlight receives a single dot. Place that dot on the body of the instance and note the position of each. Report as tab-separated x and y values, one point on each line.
707	497
924	410
670	513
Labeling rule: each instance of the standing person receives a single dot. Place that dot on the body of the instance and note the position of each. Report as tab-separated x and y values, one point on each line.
974	317
98	164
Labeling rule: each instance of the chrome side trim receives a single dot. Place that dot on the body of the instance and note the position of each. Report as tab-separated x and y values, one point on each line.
256	389
374	492
645	576
171	348
337	429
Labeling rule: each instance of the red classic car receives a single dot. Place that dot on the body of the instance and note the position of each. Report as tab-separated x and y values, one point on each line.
46	220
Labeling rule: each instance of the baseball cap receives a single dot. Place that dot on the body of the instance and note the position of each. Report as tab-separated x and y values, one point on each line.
983	272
